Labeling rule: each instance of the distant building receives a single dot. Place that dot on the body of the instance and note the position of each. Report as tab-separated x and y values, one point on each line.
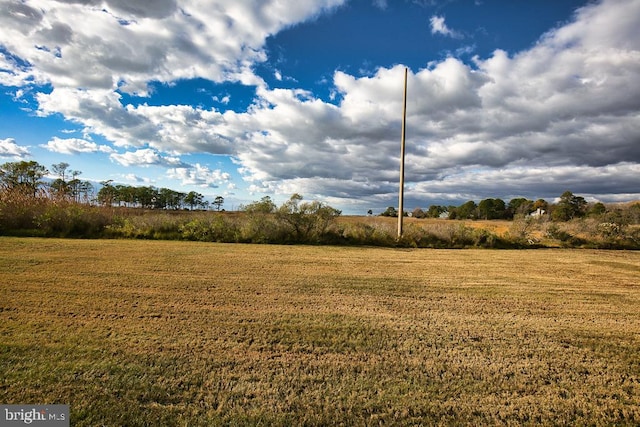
538	213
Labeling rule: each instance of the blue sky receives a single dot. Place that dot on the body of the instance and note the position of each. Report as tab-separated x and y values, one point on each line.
251	98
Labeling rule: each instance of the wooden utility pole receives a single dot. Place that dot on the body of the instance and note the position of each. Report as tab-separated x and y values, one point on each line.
404	125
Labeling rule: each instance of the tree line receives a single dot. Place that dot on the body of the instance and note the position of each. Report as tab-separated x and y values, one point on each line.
569	206
68	207
150	197
28	177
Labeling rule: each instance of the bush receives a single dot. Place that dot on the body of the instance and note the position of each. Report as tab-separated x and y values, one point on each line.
149	226
554	232
25	214
68	219
294	222
414	237
216	228
19	211
368	234
307	222
261	227
520	229
567	239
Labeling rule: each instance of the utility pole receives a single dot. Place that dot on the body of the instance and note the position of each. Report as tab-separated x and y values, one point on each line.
402	144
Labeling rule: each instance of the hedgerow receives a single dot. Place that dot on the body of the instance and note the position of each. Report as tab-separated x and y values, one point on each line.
299	222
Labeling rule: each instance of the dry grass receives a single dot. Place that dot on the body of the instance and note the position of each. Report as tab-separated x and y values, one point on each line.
180	333
498	227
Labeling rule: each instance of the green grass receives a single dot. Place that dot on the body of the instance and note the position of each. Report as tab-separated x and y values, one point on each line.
181	333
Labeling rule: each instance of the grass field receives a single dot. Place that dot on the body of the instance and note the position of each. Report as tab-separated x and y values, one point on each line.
134	332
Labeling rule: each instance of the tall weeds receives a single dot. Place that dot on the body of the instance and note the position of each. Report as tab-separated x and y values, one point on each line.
45	215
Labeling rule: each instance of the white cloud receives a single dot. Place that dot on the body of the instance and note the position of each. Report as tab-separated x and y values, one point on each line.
199	175
13	74
10	149
558	115
464	50
531	181
74	146
171	128
380	4
438	26
100	112
18	95
222	100
134	42
182	129
299	136
145	157
131	177
567	107
261	188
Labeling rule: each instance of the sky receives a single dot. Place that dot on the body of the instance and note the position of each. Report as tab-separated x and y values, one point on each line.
251	98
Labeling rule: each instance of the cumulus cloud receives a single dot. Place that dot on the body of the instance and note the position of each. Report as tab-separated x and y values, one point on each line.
10	149
306	138
199	175
567	107
131	177
183	128
560	115
134	42
171	128
532	181
14	72
438	26
145	157
75	146
100	112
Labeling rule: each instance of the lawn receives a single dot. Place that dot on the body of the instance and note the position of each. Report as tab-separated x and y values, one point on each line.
132	332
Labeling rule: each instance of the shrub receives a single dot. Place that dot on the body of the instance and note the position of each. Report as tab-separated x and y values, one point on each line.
484	238
554	232
609	230
520	229
44	214
149	226
368	234
307	222
19	210
215	228
68	219
261	227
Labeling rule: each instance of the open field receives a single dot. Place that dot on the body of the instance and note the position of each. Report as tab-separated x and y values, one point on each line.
135	332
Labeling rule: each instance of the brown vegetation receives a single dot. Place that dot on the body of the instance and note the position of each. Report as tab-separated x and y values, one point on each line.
47	212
